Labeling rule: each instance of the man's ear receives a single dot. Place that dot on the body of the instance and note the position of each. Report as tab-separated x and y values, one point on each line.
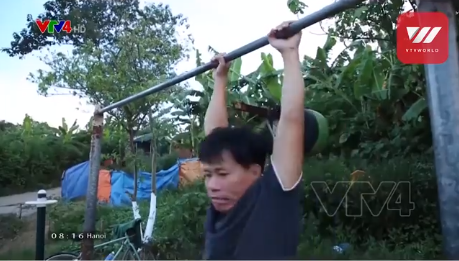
255	170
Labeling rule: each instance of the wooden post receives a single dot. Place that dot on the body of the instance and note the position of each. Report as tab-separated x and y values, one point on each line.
89	225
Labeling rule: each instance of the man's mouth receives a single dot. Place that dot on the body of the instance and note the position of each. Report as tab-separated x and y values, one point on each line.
218	200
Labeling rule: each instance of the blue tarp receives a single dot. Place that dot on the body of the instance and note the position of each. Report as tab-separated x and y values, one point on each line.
75	183
122	182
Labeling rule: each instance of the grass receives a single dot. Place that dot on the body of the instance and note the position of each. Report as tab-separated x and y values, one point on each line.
29	252
24	254
17	239
312	247
10	227
180	217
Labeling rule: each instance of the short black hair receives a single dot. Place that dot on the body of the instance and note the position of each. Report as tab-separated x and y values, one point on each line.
246	146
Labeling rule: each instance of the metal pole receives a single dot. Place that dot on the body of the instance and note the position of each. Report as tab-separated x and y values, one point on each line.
41	223
443	97
41	203
89	226
295	27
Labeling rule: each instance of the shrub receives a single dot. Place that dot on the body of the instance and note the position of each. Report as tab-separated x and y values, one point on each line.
179	228
10	226
422	192
167	161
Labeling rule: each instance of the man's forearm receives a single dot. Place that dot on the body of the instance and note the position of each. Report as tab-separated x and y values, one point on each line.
292	101
216	114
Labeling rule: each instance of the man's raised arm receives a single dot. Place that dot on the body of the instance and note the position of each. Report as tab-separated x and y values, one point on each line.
216	114
287	157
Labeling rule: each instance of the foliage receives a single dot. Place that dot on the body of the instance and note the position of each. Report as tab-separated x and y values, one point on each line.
10	226
178	231
390	222
375	105
142	53
376	108
166	161
99	18
140	50
34	154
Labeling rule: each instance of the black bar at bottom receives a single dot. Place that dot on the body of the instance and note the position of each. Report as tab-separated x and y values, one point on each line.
40	240
295	27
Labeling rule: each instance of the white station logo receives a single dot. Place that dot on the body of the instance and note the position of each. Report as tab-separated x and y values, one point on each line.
427	34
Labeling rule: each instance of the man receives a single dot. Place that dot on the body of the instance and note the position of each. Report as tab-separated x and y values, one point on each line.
255	212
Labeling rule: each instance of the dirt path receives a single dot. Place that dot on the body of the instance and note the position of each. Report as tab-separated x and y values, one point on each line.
10	204
24	242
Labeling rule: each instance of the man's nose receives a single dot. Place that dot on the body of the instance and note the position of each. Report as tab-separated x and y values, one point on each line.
212	184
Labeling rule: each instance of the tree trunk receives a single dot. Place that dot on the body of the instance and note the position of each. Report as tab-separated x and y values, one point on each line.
192	134
153	168
122	148
152	154
131	139
133	147
152	213
133	151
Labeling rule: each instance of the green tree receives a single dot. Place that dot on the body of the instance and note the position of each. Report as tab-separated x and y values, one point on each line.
101	20
141	53
375	105
140	56
34	155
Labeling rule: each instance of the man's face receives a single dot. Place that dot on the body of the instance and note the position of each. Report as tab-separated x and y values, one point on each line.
227	181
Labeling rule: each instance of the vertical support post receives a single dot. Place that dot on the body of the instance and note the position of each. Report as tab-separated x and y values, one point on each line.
152	212
152	151
443	97
20	211
89	226
41	203
41	224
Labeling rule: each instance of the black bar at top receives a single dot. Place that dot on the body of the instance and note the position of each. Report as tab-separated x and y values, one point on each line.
294	28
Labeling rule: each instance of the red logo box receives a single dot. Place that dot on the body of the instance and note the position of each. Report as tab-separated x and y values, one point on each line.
422	38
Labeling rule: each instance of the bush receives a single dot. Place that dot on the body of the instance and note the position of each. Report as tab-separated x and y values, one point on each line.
167	161
179	229
10	226
420	223
34	155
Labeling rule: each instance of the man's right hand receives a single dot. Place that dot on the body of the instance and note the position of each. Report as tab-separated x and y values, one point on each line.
223	67
284	46
216	114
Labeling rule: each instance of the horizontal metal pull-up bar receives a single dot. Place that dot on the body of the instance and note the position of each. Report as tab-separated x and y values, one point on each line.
294	28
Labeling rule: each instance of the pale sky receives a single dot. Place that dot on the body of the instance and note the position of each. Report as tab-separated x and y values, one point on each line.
223	24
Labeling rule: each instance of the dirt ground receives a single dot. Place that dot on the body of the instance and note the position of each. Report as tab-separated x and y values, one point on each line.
24	240
18	235
10	204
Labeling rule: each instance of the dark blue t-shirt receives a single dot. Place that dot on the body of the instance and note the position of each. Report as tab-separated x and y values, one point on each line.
264	224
